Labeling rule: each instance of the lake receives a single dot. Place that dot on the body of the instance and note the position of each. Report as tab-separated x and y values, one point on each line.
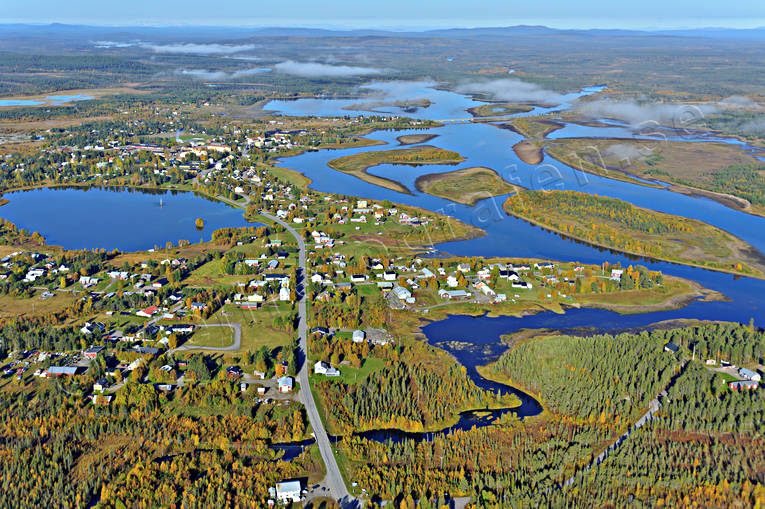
124	219
51	100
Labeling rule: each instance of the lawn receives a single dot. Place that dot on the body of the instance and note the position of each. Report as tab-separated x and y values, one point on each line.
14	306
257	325
216	337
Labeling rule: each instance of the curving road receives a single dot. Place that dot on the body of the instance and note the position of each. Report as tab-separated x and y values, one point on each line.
334	479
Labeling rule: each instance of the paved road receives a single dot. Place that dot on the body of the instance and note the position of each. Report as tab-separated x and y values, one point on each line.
235	346
333	480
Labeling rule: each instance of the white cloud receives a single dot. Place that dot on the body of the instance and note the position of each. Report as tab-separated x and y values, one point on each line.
512	90
636	114
222	75
198	49
180	48
318	70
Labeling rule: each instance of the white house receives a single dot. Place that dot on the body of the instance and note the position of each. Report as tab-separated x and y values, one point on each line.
402	293
323	368
285	384
452	282
287	492
359	336
284	293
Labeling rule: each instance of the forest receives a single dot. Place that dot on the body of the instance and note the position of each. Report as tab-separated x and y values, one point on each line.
674	460
619	225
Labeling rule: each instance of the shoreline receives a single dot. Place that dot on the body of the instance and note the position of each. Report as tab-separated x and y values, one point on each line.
424	183
733	202
361	171
632	253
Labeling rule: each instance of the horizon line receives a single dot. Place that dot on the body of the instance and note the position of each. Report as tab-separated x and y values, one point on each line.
388	28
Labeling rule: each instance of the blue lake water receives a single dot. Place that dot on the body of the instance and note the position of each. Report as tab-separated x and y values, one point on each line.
126	219
52	100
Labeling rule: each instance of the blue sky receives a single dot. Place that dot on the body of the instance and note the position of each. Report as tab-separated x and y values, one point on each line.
393	13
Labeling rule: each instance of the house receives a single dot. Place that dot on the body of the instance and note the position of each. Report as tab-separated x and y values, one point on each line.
148	312
616	274
287	492
453	294
749	374
285	384
671	347
146	350
463	267
358	278
101	385
402	293
484	288
521	284
323	368
33	274
284	293
510	275
320	330
427	274
93	351
179	328
88	281
747	385
260	375
61	371
159	283
389	275
359	336
452	282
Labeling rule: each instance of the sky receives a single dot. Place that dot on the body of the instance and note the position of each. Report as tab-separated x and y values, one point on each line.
396	14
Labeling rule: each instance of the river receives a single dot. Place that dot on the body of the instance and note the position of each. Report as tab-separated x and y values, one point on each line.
487	144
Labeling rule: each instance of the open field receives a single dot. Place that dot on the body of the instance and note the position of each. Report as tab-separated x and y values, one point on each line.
15	306
466	186
257	329
720	171
618	225
216	337
358	164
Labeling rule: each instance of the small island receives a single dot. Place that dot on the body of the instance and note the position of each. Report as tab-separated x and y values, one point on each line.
621	226
466	186
719	171
499	109
414	139
358	164
528	152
